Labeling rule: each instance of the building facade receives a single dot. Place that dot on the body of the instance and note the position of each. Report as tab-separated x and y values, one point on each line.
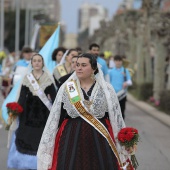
90	16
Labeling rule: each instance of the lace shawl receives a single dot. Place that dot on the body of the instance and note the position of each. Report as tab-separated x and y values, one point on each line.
44	82
108	102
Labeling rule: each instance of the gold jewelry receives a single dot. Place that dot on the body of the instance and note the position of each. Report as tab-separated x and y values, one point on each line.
88	103
37	77
92	76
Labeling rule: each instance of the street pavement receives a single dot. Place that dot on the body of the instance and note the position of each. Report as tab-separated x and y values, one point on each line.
153	151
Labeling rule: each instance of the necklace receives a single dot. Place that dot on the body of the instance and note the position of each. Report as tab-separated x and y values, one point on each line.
37	77
88	103
88	87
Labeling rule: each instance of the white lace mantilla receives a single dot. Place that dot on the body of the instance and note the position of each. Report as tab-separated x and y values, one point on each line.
98	107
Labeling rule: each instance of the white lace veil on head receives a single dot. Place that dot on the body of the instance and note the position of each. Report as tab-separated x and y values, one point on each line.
63	58
46	147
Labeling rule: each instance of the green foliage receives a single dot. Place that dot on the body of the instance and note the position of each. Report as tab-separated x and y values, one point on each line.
134	141
165	101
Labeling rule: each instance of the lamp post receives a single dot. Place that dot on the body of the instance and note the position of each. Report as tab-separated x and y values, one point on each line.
26	43
2	26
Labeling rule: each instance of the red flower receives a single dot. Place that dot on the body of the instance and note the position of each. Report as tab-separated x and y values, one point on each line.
128	136
14	108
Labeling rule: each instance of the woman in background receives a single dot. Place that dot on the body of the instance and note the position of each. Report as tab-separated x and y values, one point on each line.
58	54
36	96
64	67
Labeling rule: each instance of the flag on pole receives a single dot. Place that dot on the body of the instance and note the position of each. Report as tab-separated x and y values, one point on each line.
46	52
48	49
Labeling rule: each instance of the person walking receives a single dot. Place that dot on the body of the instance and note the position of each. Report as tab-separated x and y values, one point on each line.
58	54
95	49
120	79
81	131
64	67
37	93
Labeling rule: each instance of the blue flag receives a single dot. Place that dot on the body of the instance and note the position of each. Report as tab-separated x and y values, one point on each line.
48	49
46	52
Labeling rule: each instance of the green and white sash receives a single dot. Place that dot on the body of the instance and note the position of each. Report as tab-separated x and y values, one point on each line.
83	112
39	92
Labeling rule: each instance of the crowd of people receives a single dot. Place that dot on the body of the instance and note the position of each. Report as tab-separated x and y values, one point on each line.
68	116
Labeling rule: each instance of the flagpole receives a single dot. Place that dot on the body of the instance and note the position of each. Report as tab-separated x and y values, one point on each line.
2	26
17	27
27	26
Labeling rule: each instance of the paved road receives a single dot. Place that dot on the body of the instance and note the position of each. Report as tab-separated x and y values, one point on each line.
153	150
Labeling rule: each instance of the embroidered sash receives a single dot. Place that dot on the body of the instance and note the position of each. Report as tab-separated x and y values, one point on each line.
39	92
75	99
61	70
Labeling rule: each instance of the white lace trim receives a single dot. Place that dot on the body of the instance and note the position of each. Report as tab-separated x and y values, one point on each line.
98	107
44	82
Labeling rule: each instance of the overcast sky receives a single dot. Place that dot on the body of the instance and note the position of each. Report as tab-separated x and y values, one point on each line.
69	13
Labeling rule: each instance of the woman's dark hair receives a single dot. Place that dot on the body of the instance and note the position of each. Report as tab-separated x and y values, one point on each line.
25	50
79	50
38	55
76	56
70	50
55	52
92	60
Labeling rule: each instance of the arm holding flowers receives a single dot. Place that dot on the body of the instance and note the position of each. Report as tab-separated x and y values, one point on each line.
129	137
118	125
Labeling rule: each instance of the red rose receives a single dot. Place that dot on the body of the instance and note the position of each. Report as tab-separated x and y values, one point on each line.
15	108
121	137
128	136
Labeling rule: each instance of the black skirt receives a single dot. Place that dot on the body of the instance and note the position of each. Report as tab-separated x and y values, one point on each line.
79	146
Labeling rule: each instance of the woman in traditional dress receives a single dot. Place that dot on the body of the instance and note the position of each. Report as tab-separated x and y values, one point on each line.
58	54
73	66
81	131
36	96
64	67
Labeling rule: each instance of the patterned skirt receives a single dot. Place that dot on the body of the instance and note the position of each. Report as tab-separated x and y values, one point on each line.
78	146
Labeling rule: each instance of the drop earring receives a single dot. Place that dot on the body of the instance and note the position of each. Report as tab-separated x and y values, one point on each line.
92	76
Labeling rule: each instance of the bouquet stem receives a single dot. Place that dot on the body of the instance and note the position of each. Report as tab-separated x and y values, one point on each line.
135	163
7	127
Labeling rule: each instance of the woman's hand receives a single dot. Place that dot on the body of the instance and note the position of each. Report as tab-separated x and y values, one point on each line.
132	150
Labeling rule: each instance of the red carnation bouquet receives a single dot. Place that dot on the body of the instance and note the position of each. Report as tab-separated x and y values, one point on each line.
129	138
14	109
